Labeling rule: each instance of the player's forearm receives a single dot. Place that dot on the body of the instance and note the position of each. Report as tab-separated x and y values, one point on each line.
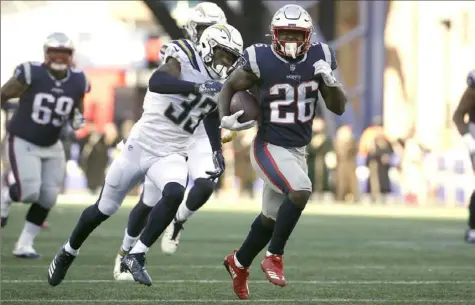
335	99
164	83
224	100
458	119
211	123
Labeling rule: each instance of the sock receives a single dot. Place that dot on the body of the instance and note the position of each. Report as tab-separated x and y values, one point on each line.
471	212
30	231
70	250
199	194
256	240
127	243
138	219
90	219
139	248
37	214
162	213
287	217
183	213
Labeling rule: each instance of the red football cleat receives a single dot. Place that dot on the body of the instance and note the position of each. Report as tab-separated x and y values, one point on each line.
239	277
274	269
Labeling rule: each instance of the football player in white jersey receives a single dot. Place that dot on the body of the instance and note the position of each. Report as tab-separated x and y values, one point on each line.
199	161
181	92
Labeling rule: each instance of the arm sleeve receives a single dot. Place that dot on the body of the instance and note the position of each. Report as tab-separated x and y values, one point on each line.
211	123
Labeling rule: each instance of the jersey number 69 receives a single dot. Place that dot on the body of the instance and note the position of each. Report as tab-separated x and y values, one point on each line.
43	109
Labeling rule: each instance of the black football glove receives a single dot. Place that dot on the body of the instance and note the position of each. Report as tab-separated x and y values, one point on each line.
219	165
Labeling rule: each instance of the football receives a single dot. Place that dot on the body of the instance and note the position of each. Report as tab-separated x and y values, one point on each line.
243	100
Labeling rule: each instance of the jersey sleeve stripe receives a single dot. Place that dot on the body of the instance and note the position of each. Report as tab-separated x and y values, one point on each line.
327	53
188	50
251	51
27	69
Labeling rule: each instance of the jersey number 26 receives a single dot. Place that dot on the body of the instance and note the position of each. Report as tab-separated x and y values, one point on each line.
302	96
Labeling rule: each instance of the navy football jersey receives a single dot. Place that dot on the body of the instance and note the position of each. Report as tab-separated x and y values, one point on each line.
288	92
47	103
471	84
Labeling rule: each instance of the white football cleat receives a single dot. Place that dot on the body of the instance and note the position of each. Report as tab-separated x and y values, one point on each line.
121	274
470	236
25	251
171	237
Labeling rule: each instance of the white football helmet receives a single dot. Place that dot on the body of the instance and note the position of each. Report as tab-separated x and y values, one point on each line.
220	47
202	16
58	51
291	30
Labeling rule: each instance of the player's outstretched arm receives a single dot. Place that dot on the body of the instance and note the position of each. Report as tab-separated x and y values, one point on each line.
241	79
335	98
16	85
466	103
166	79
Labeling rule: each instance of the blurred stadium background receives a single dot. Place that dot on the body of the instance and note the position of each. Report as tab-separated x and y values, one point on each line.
404	65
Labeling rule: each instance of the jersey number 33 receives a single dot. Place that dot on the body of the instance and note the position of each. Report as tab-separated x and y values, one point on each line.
190	112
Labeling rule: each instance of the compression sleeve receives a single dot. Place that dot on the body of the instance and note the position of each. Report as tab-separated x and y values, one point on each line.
164	83
211	123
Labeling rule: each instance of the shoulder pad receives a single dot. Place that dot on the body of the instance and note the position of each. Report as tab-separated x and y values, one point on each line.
76	70
183	51
24	72
328	53
251	56
471	79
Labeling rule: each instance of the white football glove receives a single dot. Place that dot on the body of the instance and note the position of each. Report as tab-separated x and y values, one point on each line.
470	142
231	122
323	69
78	120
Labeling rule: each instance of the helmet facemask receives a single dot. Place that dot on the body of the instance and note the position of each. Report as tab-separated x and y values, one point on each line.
291	41
221	60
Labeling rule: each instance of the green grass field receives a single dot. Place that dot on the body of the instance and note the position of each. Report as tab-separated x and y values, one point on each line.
331	259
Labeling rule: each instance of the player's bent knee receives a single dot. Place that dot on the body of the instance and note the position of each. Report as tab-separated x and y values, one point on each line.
300	198
48	197
30	192
205	185
174	192
267	222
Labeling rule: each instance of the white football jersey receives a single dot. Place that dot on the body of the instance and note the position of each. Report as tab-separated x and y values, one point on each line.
169	120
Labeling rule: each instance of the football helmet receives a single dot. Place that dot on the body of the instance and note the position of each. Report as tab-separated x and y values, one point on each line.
220	47
291	29
202	16
58	51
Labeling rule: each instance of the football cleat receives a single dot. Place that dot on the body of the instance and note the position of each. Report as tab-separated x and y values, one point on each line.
273	268
25	251
470	236
59	267
135	264
120	273
171	237
239	277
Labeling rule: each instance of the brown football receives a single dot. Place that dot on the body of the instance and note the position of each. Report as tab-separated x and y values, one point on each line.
243	100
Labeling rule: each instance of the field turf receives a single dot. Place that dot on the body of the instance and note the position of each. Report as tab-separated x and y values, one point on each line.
331	259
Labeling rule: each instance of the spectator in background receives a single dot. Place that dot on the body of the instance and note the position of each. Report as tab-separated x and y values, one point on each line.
318	148
242	166
346	150
68	137
368	137
378	162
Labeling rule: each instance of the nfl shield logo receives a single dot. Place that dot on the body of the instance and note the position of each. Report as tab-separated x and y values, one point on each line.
292	67
58	84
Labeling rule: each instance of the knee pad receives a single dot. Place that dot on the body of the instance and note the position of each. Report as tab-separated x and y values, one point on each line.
266	222
48	196
106	205
28	192
173	192
205	185
300	198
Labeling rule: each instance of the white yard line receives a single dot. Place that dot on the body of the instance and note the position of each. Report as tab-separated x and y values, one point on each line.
260	282
220	301
217	266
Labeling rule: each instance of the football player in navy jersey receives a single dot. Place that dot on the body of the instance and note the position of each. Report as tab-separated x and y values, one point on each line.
50	94
467	130
289	73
